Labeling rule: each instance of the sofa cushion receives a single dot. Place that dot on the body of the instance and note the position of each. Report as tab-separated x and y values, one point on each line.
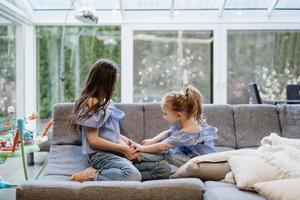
253	122
212	166
221	116
153	121
279	189
132	126
65	160
220	191
55	178
220	149
112	190
289	116
62	133
248	170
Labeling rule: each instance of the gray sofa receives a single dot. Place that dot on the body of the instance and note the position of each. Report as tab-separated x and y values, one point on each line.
240	126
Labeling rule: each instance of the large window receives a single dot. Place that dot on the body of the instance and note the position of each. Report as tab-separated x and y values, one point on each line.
7	68
83	46
269	58
170	60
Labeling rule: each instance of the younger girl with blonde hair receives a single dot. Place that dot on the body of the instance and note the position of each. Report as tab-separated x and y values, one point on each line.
189	135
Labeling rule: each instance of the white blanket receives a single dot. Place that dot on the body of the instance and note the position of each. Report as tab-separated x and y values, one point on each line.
278	158
283	153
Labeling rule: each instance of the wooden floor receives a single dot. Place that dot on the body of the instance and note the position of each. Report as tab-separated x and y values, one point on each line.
12	171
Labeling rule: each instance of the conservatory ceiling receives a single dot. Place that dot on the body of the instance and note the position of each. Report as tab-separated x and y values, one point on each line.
120	11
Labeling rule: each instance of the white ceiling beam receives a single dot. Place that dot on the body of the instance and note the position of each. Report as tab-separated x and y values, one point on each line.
222	7
172	9
25	6
14	13
191	17
121	9
272	7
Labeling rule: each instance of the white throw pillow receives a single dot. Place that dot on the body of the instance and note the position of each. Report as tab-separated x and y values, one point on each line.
229	178
248	170
210	166
288	189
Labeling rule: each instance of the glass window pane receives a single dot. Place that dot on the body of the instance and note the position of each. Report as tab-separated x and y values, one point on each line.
269	58
146	4
247	4
83	46
65	4
288	4
170	60
197	4
7	69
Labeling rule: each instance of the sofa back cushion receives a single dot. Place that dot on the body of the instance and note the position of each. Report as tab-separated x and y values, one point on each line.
62	134
289	117
132	126
153	121
221	116
253	122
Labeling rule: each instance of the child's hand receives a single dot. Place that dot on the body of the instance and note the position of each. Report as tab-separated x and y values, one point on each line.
131	154
148	142
133	144
136	158
140	149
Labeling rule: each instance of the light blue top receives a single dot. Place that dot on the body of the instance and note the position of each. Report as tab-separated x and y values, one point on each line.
107	123
192	144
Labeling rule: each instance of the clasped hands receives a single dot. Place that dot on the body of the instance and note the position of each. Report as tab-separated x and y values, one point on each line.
132	153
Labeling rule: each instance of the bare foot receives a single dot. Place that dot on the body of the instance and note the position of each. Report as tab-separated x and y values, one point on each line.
85	175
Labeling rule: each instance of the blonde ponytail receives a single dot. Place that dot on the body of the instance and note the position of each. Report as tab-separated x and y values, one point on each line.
195	100
190	101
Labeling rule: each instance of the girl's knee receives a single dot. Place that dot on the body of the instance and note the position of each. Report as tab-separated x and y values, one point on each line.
160	170
163	169
132	175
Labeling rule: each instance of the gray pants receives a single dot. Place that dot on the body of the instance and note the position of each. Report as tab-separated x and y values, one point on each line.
115	167
173	159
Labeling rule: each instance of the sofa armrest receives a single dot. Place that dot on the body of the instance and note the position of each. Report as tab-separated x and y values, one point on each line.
185	188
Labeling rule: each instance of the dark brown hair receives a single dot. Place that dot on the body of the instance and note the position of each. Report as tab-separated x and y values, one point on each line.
99	84
190	102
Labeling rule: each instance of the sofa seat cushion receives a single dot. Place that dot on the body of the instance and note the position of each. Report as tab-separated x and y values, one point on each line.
189	188
66	160
55	178
215	190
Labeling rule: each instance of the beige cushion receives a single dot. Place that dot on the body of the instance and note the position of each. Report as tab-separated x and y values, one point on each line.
279	189
248	170
210	166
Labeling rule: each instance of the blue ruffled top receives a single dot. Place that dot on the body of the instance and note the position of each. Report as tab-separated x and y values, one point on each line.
107	123
192	144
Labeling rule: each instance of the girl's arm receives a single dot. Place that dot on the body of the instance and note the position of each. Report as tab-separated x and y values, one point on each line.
122	141
161	136
97	142
128	141
155	148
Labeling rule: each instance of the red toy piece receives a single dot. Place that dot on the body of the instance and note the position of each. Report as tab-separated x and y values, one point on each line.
9	148
48	126
16	140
